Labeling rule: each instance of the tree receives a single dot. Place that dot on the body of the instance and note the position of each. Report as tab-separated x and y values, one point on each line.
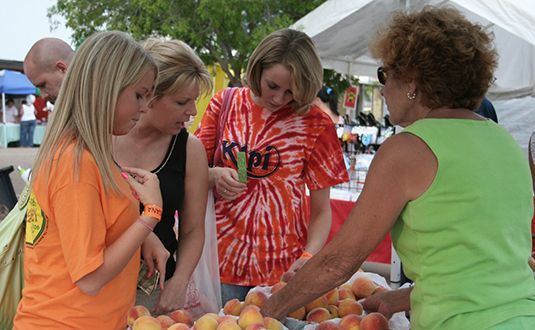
221	31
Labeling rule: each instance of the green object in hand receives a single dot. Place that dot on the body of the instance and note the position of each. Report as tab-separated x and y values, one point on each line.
242	167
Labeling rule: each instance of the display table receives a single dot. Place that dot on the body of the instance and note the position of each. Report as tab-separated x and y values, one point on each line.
10	132
342	203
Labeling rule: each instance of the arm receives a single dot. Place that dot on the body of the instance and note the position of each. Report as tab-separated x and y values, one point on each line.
319	226
402	170
191	232
118	254
320	219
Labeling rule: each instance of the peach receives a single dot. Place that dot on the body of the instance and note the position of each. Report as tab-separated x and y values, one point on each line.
136	312
179	326
233	307
333	310
346	293
332	297
165	321
349	306
256	298
250	315
224	318
318	302
182	316
350	322
272	324
318	315
206	322
228	324
374	321
256	327
298	314
147	322
363	287
277	287
327	325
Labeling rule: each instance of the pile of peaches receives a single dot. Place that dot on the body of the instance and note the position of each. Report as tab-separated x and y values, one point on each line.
139	318
336	310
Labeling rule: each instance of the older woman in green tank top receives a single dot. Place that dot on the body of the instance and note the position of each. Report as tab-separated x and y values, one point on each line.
454	188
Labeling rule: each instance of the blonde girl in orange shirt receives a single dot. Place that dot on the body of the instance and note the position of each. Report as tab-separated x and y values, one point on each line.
84	230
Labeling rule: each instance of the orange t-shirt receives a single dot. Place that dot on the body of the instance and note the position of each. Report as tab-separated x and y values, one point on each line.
264	230
70	222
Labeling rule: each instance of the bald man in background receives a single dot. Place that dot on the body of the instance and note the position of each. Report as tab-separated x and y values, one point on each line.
46	64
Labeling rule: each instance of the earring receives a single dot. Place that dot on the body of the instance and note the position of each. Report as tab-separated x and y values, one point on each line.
411	96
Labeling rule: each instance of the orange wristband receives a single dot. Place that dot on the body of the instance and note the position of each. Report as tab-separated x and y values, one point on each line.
154	211
306	255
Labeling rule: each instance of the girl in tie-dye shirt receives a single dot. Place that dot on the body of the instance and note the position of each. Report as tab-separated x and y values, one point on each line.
266	226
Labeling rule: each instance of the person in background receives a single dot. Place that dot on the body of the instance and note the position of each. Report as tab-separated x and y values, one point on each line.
327	101
46	64
84	228
287	144
41	112
27	122
161	144
486	109
11	111
454	188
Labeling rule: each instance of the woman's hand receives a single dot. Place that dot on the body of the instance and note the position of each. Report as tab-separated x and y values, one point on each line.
145	185
388	302
155	255
227	184
172	297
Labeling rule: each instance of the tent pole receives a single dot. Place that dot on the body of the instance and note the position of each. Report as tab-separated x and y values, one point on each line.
4	119
3	108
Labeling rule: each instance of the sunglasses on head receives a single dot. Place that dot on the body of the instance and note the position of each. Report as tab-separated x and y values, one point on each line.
381	75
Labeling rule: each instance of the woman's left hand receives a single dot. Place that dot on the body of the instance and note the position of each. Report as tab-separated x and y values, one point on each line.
155	255
172	297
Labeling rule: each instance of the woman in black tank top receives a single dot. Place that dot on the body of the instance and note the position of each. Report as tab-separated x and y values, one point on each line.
160	143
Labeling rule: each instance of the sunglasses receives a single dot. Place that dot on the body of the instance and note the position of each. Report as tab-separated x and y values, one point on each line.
381	75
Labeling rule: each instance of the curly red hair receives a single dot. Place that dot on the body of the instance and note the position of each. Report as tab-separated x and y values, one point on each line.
451	59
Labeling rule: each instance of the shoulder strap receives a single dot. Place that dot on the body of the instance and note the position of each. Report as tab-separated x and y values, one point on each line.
223	116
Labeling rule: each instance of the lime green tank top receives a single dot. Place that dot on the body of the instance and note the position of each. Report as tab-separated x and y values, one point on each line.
465	242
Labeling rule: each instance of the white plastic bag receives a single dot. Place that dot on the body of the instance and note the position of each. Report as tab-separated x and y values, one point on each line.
204	289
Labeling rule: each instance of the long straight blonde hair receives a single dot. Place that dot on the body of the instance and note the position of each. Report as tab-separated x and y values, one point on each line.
104	65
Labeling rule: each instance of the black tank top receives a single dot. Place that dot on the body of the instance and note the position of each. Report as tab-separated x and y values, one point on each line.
171	173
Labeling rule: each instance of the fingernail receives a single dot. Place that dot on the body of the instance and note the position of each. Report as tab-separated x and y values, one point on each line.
124	175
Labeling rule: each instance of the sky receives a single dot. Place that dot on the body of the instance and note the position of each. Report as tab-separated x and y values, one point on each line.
23	22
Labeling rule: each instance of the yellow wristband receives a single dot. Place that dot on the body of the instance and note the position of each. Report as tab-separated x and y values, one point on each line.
154	211
306	255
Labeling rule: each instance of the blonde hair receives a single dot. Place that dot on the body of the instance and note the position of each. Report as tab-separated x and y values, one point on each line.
294	50
104	65
178	66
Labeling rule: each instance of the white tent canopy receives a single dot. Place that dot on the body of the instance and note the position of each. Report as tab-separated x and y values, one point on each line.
341	30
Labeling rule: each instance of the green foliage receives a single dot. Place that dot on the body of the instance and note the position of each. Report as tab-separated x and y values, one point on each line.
222	31
338	81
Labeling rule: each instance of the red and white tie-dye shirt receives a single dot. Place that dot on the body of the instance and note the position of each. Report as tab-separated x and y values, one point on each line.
264	230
